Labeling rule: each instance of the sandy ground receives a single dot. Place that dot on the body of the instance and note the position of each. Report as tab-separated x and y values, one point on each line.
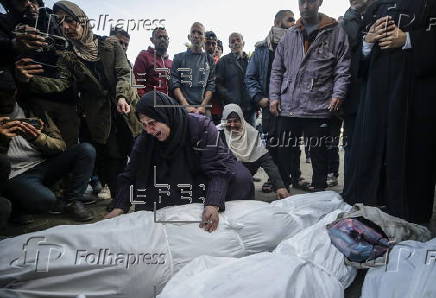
46	221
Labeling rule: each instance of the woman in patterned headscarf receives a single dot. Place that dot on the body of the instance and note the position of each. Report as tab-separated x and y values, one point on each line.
98	68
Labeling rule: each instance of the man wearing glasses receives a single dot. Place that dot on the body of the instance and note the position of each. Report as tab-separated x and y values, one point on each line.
309	79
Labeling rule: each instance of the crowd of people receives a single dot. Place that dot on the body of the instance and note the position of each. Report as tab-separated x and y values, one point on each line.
198	127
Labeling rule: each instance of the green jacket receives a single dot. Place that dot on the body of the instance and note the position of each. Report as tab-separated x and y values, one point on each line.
97	102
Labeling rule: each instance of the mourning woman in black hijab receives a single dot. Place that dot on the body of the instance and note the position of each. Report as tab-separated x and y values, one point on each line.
179	159
393	157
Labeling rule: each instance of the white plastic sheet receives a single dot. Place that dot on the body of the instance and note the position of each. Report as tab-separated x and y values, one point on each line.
410	273
76	258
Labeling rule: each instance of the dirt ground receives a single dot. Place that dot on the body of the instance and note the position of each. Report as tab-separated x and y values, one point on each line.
46	221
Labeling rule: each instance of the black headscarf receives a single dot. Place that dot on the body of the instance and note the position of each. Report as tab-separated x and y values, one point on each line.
175	159
166	110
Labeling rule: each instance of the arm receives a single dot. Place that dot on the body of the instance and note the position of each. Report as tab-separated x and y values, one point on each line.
139	69
210	85
176	81
342	74
122	74
221	89
39	84
252	80
267	163
276	80
352	26
214	162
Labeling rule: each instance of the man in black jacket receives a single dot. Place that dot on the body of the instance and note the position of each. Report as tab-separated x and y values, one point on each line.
230	74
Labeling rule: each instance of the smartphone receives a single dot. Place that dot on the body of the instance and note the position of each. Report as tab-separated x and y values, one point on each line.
35	122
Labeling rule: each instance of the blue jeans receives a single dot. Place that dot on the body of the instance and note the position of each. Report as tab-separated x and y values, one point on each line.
30	191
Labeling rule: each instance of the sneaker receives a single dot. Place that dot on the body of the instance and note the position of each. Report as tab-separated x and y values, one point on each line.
78	211
96	186
332	180
57	208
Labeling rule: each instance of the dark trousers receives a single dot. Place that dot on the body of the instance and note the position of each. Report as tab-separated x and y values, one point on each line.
349	122
250	117
112	156
30	191
335	125
316	131
5	205
5	169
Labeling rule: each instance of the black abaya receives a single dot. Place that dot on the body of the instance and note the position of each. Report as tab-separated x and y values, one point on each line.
393	158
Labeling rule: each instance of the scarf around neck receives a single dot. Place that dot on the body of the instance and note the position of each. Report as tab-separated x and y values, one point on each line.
274	37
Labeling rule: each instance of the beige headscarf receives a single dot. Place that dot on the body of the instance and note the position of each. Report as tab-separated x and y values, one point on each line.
87	47
246	144
274	37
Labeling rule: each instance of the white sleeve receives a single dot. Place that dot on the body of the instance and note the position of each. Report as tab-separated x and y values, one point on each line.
408	44
367	48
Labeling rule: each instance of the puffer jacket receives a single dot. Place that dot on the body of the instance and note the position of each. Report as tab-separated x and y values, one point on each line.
304	76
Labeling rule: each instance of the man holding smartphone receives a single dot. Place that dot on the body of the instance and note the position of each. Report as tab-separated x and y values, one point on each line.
34	157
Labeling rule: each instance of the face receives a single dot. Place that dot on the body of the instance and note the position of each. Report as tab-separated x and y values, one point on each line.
159	130
211	46
309	8
218	52
28	8
288	21
236	43
124	41
196	37
160	40
234	124
72	29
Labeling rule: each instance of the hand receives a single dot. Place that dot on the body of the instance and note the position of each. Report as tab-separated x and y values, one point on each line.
282	193
264	102
122	106
380	29
210	218
395	39
28	131
201	110
9	129
274	107
28	38
191	109
114	213
335	104
25	69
